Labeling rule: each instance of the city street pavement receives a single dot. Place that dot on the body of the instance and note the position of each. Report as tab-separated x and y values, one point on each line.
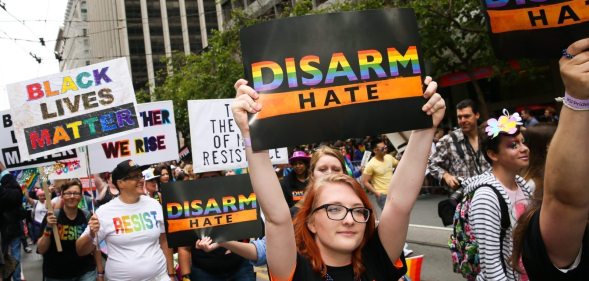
426	237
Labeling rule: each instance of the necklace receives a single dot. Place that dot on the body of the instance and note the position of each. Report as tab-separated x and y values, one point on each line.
329	278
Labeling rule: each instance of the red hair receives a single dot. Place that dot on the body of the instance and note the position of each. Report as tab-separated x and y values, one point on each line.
305	239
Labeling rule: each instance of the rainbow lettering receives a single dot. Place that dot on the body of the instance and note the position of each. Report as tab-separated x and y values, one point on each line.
35	91
195	208
395	58
70	232
312	74
135	222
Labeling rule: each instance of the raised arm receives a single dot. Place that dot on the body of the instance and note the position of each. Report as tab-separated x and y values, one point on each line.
281	247
408	177
565	208
30	200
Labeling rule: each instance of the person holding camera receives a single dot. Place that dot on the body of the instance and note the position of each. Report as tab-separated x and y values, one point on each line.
457	154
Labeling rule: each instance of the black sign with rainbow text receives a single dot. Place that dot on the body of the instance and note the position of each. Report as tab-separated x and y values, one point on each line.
223	208
536	28
334	76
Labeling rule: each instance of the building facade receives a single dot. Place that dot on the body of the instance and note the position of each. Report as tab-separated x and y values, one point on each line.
72	47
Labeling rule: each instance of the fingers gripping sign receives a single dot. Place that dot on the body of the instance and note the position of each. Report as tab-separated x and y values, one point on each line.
245	102
435	105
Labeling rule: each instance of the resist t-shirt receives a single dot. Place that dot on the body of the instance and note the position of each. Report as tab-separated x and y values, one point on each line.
132	233
67	263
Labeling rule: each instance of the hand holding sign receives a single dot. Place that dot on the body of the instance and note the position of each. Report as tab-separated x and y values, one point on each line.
574	71
435	101
206	244
94	225
245	102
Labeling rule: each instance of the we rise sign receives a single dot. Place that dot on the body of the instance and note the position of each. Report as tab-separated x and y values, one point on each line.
73	108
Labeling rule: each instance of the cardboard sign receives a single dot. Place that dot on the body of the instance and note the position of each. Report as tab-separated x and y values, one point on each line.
11	156
73	108
224	208
535	28
71	168
334	76
156	143
215	138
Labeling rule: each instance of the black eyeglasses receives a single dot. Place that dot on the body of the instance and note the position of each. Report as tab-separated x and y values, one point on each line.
71	194
134	177
338	212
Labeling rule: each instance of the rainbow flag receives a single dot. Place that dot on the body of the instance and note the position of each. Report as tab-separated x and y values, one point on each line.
414	267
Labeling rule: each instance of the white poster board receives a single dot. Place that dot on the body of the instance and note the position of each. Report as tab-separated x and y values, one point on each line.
73	108
156	143
215	138
10	155
70	168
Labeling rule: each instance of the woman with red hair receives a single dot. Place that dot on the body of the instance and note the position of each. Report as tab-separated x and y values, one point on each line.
334	235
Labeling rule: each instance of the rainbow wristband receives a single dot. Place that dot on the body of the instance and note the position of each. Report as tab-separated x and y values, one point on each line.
574	103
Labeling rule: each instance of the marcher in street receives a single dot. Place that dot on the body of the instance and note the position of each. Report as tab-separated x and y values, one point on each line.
505	149
554	234
336	238
71	222
145	235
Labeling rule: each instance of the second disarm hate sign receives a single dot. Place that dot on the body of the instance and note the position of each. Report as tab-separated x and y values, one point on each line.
333	76
73	108
536	28
156	143
224	208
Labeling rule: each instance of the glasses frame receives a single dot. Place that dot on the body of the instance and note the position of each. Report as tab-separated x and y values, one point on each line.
137	177
71	194
348	210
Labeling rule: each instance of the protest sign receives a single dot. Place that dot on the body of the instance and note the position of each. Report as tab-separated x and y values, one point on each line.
73	108
71	168
535	28
215	138
399	140
11	156
351	77
224	208
155	143
184	153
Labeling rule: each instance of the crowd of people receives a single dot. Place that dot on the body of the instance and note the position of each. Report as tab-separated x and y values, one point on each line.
330	216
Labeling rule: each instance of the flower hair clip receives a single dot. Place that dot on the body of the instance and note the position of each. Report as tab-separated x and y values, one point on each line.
506	123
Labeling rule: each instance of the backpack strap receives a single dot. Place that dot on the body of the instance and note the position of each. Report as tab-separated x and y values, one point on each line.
505	224
457	145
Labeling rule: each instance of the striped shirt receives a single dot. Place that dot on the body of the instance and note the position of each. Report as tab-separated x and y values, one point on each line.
485	220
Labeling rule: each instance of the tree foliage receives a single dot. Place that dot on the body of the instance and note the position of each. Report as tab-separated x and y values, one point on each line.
207	75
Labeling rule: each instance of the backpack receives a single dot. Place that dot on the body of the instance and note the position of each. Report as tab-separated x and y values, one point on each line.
463	245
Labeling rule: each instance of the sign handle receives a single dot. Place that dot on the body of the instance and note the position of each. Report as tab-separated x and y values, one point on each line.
91	189
49	206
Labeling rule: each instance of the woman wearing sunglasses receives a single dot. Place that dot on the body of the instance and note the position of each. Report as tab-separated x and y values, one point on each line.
333	236
132	225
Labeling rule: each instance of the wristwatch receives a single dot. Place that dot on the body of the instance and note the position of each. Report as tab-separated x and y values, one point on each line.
186	277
